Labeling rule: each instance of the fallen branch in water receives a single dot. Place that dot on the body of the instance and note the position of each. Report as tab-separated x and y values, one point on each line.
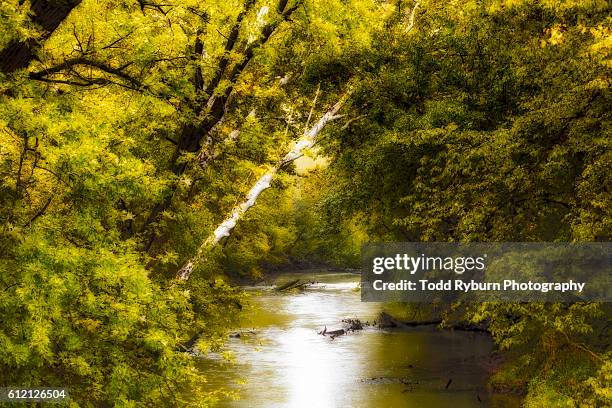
294	284
350	325
287	285
239	334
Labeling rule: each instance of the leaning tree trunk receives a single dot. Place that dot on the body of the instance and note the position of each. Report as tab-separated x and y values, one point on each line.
308	140
196	137
46	14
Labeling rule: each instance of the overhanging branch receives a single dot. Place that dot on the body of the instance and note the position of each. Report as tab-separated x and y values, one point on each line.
307	141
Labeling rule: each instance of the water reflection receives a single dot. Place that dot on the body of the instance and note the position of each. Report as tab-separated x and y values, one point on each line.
285	363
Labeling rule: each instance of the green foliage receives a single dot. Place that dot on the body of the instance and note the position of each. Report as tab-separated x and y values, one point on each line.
14	22
99	207
487	121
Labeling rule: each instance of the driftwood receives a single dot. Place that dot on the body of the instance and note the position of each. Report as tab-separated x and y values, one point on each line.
294	284
353	324
239	334
332	333
288	285
304	285
386	321
350	325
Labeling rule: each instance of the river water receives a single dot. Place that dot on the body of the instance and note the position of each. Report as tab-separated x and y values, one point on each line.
280	360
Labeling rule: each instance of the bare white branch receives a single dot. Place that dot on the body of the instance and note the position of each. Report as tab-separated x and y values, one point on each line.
410	25
308	140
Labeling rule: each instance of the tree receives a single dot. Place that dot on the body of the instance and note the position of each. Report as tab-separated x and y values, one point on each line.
488	122
91	144
48	15
307	141
130	143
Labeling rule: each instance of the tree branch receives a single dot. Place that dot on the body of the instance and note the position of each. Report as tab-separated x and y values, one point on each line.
410	25
224	229
229	46
40	212
69	65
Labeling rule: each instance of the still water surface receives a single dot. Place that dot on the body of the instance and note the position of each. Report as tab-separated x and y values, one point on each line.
281	361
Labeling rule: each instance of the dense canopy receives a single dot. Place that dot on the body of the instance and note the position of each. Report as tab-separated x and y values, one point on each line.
130	130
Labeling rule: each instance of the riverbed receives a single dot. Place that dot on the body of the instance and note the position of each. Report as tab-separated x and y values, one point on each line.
280	360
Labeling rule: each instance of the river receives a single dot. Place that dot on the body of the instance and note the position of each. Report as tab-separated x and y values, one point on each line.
280	360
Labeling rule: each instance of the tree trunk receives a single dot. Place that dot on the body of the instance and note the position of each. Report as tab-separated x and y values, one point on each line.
48	15
195	138
308	140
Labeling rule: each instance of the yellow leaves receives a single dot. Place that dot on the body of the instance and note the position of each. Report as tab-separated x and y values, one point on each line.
39	338
228	356
599	83
451	127
202	345
596	41
554	35
498	6
187	181
254	28
15	22
601	384
551	4
602	45
168	258
247	84
256	272
10	150
602	36
91	325
156	339
79	365
127	216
